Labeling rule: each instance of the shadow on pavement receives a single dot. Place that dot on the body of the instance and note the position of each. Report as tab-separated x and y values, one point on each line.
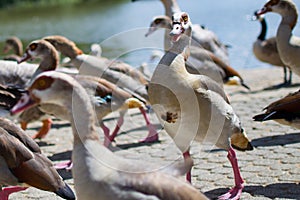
66	155
276	190
275	140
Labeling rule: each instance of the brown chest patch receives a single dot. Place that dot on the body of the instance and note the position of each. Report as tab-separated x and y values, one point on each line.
170	117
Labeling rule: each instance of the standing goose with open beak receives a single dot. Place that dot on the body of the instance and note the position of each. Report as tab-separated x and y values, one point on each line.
194	107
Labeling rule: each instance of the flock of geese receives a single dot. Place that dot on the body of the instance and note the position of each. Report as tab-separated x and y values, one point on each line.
185	91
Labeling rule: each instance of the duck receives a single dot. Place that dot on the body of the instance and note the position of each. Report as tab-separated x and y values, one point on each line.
288	45
201	37
266	50
15	44
283	111
106	96
116	72
201	61
186	103
22	164
98	173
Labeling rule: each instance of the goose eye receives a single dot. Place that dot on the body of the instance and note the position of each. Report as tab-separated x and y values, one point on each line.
42	83
33	46
157	21
185	18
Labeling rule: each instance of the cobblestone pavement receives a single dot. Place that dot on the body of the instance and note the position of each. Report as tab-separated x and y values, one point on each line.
271	170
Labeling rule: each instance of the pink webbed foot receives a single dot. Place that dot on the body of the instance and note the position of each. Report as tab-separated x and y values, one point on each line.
5	192
68	165
107	142
233	194
152	134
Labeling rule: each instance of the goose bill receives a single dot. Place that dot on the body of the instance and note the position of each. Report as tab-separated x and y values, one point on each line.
24	103
24	58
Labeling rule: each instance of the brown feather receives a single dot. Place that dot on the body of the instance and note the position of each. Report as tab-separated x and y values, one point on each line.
38	172
288	103
164	187
19	134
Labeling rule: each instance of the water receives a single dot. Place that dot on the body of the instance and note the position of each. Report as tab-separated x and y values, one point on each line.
120	26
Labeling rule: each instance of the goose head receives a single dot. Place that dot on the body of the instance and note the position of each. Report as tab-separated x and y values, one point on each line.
13	43
49	87
39	49
181	24
64	45
282	7
286	8
161	21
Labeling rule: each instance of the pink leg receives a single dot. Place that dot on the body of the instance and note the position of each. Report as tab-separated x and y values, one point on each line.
5	192
152	135
188	175
235	192
117	128
106	134
64	165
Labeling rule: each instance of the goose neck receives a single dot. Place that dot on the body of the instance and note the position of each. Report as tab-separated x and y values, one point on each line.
167	38
263	32
18	48
182	46
290	17
49	62
171	6
82	116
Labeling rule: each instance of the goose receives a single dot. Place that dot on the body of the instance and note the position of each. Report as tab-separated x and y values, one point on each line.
266	51
194	107
288	45
15	44
209	64
98	173
14	75
284	111
96	50
9	96
116	72
112	98
22	164
200	36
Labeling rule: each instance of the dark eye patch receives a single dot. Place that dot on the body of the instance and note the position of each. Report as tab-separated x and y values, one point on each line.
42	83
33	46
157	21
